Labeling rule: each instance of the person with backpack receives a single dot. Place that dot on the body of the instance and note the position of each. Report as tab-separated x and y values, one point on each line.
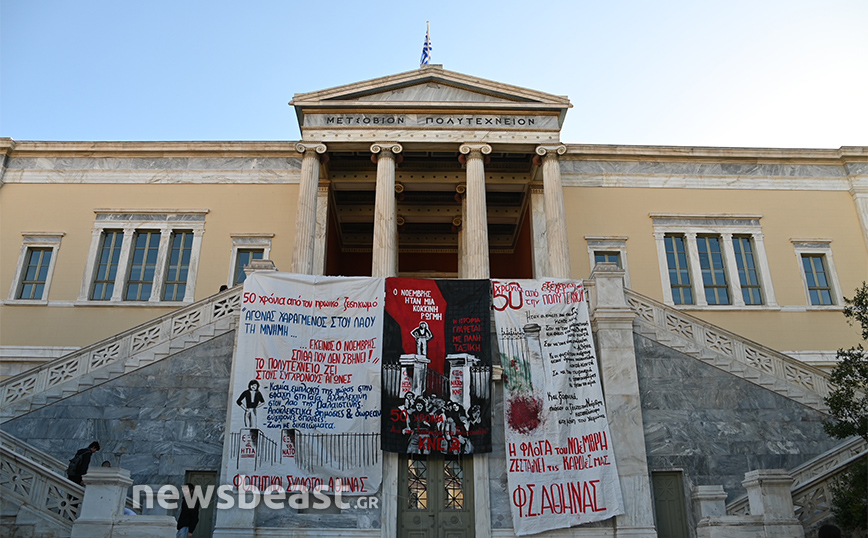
189	516
80	462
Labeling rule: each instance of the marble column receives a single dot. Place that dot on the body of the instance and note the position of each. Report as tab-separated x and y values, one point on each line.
474	225
556	220
612	322
385	251
385	264
473	263
305	219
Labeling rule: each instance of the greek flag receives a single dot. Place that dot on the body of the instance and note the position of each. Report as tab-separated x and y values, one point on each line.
426	48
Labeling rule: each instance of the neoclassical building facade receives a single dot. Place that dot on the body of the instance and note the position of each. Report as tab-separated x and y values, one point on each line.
717	278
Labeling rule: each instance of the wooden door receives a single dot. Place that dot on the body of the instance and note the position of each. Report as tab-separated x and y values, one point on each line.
435	497
669	505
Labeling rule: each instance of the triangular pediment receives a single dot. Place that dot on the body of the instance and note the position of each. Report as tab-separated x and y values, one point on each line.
429	85
436	91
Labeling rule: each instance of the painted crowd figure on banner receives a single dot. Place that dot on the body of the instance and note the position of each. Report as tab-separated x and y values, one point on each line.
436	367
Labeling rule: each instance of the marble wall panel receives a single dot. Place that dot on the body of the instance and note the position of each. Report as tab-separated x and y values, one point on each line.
570	166
715	426
154	163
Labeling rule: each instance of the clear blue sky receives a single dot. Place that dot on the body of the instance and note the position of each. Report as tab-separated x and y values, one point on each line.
756	73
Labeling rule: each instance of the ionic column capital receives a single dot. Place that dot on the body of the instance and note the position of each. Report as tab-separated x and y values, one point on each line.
551	151
312	147
475	149
393	147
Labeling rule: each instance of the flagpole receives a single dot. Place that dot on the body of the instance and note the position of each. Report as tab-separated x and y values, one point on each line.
426	47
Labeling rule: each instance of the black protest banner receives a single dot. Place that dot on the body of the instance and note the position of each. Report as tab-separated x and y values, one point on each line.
437	367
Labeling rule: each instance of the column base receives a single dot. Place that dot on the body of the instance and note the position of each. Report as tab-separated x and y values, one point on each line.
636	532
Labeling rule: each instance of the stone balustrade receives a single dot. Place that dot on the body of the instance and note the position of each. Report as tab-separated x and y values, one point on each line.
811	480
42	490
120	354
730	352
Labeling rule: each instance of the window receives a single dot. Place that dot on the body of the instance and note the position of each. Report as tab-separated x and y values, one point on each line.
602	249
607	257
35	267
246	248
143	256
679	276
700	257
713	274
143	267
179	266
35	273
815	276
747	272
242	260
818	272
107	267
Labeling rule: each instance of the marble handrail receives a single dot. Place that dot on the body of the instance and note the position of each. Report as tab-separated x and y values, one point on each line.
811	496
18	446
32	484
735	354
65	375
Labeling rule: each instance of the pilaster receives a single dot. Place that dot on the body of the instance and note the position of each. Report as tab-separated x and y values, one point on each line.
322	225
859	192
162	262
193	269
733	280
612	322
538	231
305	223
695	269
556	220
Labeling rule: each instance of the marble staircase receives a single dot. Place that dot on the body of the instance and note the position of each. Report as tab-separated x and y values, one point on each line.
767	368
729	352
119	355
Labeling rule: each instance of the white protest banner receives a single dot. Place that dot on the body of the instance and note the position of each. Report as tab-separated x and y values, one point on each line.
560	462
306	384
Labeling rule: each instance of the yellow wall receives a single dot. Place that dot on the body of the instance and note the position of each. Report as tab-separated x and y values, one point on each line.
69	208
270	209
621	211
